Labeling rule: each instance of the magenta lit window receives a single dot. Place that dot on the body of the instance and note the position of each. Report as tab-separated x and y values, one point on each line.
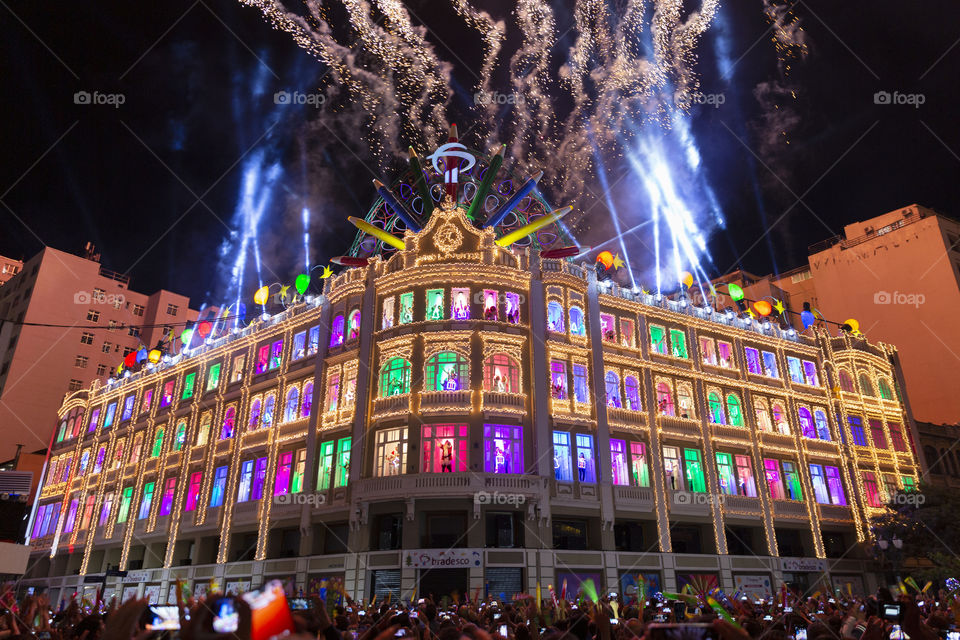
193	491
229	423
444	448
771	470
502	448
147	398
263	359
558	380
336	332
167	396
282	484
166	503
618	460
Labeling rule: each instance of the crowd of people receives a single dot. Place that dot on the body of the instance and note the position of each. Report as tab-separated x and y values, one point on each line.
882	616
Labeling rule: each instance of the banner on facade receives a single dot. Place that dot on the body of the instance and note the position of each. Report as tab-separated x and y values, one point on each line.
803	564
442	558
753	586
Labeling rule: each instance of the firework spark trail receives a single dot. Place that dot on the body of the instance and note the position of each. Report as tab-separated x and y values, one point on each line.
493	32
529	72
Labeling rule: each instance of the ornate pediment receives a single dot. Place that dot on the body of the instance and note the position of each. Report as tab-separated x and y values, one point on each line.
450	237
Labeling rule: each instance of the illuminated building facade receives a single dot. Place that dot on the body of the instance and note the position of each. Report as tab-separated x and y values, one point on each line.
463	417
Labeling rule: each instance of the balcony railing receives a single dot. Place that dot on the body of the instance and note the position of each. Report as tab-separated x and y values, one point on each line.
508	402
626	416
790	509
742	504
391	405
634	498
835	512
444	401
679	426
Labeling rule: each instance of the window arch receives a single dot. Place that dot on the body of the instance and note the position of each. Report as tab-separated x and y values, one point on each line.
268	406
733	410
846	382
632	391
716	408
577	326
807	427
254	415
884	388
865	387
293	402
555	317
685	400
181	436
395	378
823	427
229	423
203	433
448	371
157	443
336	332
780	419
501	373
665	399
353	325
612	386
307	400
763	414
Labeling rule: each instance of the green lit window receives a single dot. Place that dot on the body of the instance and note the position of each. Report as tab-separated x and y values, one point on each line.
716	408
794	490
435	304
884	388
448	371
213	378
658	339
342	472
678	343
181	436
693	467
157	444
908	484
733	410
725	474
125	501
299	468
406	308
325	466
188	385
395	378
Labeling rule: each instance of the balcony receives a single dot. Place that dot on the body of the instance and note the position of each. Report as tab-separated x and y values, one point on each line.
432	485
689	503
730	432
446	401
776	440
633	498
743	505
821	446
790	509
626	417
836	513
509	403
682	427
391	406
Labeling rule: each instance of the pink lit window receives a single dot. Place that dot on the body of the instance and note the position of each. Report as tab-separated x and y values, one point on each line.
282	484
872	489
771	470
193	491
263	359
490	298
627	334
607	329
93	421
558	380
665	399
166	503
167	396
444	448
147	398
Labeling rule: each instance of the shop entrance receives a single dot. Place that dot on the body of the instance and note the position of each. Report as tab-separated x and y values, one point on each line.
440	583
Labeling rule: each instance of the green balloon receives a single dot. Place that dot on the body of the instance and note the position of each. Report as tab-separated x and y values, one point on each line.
301	283
735	292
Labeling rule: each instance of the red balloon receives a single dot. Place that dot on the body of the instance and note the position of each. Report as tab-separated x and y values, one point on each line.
204	329
130	360
605	258
763	307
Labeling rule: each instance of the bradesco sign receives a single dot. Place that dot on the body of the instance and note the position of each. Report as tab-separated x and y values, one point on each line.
442	558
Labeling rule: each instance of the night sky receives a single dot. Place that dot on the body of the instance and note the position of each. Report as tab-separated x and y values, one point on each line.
154	182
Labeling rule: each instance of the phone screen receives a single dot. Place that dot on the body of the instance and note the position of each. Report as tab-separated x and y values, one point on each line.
299	603
503	630
225	616
891	611
896	633
953	635
800	634
269	612
165	618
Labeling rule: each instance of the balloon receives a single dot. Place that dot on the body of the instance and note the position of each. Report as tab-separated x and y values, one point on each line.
130	360
605	258
154	356
141	355
687	279
204	328
807	318
186	337
853	324
260	297
735	291
763	307
301	283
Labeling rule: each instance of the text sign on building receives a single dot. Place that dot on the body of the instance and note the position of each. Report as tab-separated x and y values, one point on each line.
137	576
442	558
803	564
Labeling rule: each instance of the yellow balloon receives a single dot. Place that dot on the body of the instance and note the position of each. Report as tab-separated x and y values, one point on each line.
687	279
260	297
154	356
854	325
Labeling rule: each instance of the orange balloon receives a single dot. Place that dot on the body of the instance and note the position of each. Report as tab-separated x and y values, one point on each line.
763	307
605	258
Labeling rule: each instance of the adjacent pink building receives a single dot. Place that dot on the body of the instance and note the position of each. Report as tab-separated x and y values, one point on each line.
8	268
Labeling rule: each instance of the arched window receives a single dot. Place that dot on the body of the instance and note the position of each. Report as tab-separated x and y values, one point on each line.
230	422
807	427
577	325
612	384
846	382
395	378
501	374
763	414
733	410
181	436
780	419
665	399
716	408
137	449
823	427
632	390
685	400
293	401
307	400
555	317
336	332
885	391
157	444
865	387
268	407
353	325
448	371
254	415
203	433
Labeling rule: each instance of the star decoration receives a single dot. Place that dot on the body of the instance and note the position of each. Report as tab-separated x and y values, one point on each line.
283	291
750	313
778	306
327	272
617	262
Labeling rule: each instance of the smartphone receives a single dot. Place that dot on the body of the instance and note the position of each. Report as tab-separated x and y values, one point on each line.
421	601
613	621
413	615
788	609
681	631
298	604
891	612
349	609
800	634
163	618
832	601
768	617
496	616
953	635
401	632
896	633
361	613
503	630
225	616
269	611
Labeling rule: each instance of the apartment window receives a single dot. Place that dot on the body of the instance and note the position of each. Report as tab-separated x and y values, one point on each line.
146	501
632	392
770	364
753	361
291	405
259	478
896	437
219	486
112	325
658	339
133	332
792	478
820	492
746	484
725	354
166	502
111	412
101	370
502	449
99	295
716	408
512	307
877	435
238	363
671	468
780	419
299	470
395	378
391	452
555	317
558	379
665	399
80	362
147	399
823	427
872	489
908	484
75	385
618	462
193	491
501	374
342	470
771	469
86	338
561	456
627	333
313	344
612	388
180	437
434	308
106	348
678	343
795	370
389	311
580	387
167	396
281	484
444	448
807	427
586	467
608	330
325	465
810	373
188	385
577	326
406	308
693	466
299	345
157	443
707	351
569	534
856	430
125	500
638	464
460	304
213	377
276	355
138	310
448	371
172	309
725	474
127	412
93	315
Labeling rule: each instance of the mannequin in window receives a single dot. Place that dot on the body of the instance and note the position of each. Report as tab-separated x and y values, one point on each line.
513	312
490	308
581	466
460	309
393	463
498	385
436	313
406	314
446	457
500	461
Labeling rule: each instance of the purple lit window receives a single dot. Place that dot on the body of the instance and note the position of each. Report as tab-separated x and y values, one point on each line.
282	482
513	308
460	304
167	396
93	420
806	423
254	415
502	448
71	516
577	326
558	380
836	486
753	361
555	317
229	423
193	491
259	478
490	305
268	407
276	354
333	392
166	503
307	400
772	472
336	332
147	398
101	454
127	408
633	393
810	372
